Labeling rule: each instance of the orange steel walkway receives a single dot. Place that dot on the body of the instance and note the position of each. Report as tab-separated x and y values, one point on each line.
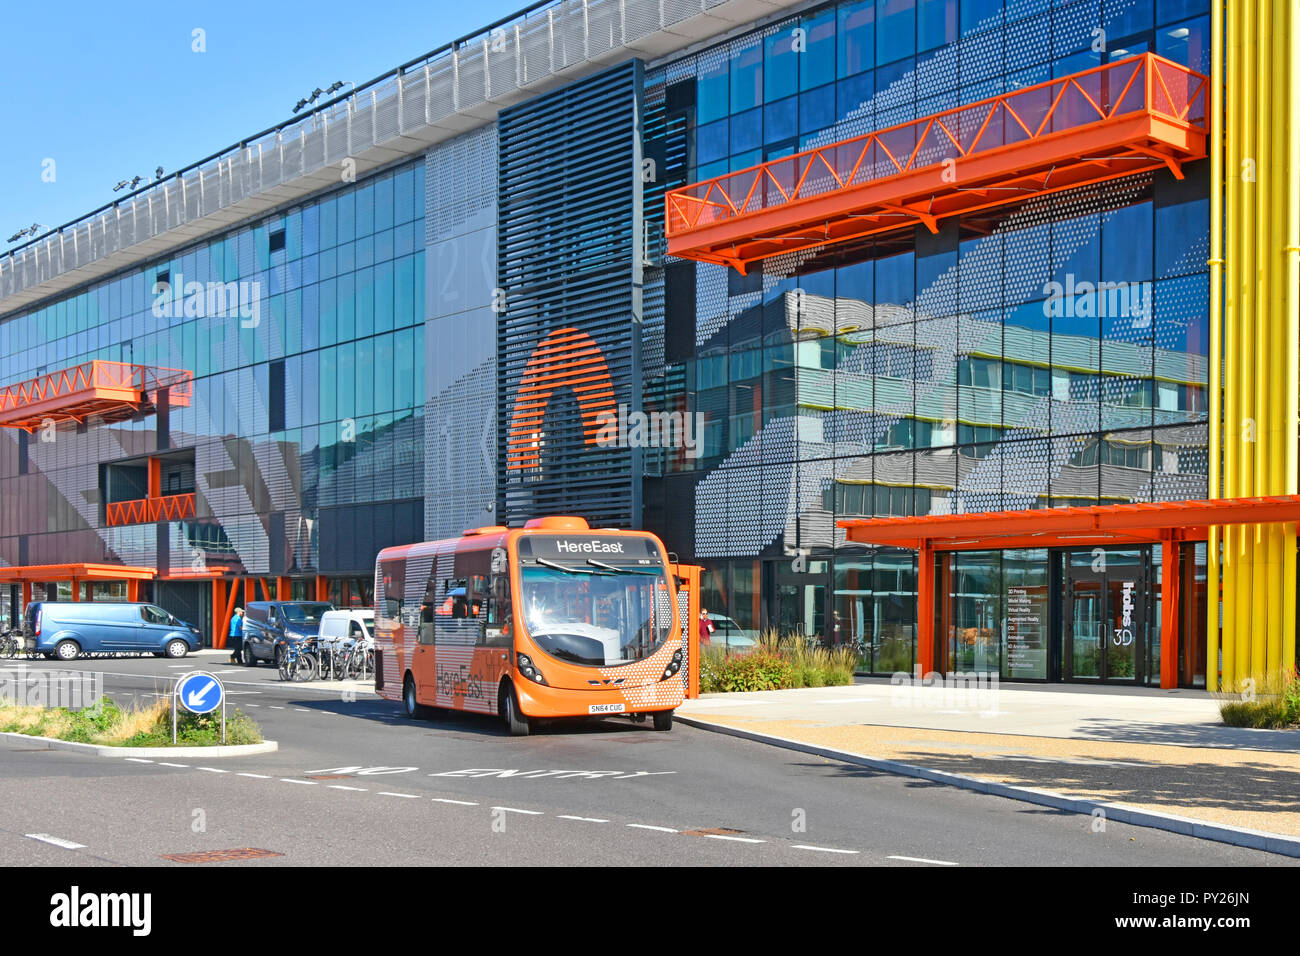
1134	115
115	391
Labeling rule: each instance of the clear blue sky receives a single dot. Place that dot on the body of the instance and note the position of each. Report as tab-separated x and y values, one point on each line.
112	91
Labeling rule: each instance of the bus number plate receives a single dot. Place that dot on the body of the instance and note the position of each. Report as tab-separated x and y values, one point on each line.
606	708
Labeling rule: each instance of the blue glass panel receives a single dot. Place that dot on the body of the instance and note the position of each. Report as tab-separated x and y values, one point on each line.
856	37
747	78
936	23
1187	43
384	203
1168	11
896	29
781	120
895	279
817	109
365	299
404	206
817	62
853	93
711	98
383	296
780	64
1174	225
1126	17
1126	252
979	15
712	142
746	131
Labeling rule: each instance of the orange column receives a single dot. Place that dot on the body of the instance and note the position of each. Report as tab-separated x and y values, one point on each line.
925	608
27	594
283	589
689	575
133	589
219	612
1169	608
76	590
322	588
155	478
250	590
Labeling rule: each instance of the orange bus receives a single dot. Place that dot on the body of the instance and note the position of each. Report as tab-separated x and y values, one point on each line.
550	620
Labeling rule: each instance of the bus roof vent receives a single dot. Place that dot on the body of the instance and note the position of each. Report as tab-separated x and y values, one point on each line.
489	529
558	523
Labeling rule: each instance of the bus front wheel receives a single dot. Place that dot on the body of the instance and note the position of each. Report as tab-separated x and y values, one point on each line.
517	721
664	720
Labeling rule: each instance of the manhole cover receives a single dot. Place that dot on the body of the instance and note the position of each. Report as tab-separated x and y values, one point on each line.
221	856
713	831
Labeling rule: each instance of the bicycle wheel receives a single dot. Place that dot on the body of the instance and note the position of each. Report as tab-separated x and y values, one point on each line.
305	668
285	665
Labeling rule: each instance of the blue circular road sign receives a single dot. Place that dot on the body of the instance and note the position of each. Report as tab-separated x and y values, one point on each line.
199	693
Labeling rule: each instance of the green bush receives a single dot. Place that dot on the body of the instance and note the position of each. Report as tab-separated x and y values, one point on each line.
779	662
1276	707
757	671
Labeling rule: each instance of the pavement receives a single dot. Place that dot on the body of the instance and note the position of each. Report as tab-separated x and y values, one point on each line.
1164	752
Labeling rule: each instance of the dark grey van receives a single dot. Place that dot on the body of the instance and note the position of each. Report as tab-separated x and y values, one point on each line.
268	625
68	629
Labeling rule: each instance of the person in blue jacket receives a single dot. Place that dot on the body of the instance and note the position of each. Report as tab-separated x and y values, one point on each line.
237	636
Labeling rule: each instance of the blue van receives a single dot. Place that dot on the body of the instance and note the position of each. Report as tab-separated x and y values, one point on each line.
67	630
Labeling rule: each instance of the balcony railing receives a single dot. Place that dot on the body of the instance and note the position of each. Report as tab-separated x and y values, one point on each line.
112	390
148	510
1138	114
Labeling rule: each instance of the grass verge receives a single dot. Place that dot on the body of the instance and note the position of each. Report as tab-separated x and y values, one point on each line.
107	724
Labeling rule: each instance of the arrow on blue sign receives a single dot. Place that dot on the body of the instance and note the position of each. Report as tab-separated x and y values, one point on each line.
200	693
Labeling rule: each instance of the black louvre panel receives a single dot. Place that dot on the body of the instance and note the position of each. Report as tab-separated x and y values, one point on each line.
569	266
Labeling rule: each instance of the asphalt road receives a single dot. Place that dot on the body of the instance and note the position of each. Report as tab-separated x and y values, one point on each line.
355	782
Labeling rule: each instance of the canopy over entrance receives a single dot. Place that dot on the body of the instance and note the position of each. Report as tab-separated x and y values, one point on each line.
1166	523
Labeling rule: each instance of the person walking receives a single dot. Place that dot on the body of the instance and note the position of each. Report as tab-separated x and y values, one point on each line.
237	636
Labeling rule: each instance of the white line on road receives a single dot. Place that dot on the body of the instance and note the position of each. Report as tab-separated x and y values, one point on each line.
565	816
462	803
339	786
302	710
164	763
259	776
66	844
306	783
646	826
533	813
212	770
139	760
276	707
822	849
736	839
921	859
408	796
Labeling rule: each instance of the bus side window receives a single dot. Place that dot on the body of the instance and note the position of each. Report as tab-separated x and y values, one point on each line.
427	608
499	610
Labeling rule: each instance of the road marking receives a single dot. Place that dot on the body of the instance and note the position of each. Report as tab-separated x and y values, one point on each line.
306	783
719	836
212	770
408	796
276	707
139	760
259	776
66	844
646	826
921	859
534	813
339	786
847	700
177	667
822	849
462	803
565	816
302	710
252	705
164	763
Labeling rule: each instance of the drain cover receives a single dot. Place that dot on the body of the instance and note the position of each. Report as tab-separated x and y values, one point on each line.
221	856
713	831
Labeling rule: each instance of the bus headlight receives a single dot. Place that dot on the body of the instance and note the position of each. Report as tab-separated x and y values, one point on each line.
673	666
529	670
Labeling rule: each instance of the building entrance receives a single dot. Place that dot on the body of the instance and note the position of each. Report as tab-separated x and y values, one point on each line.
1106	621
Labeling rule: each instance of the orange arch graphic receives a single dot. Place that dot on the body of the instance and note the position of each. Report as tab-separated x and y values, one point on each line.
566	358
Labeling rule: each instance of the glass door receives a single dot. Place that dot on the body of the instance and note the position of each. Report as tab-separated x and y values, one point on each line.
1084	613
1106	619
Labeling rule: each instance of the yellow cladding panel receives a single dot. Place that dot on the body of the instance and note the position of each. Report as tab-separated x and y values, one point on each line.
1254	329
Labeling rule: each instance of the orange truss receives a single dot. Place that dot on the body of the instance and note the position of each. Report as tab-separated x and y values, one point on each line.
146	510
1137	114
114	391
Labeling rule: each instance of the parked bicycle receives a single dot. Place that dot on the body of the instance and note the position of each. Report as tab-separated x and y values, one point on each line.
299	660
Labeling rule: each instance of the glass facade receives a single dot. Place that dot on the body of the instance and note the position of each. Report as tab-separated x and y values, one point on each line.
1042	354
305	335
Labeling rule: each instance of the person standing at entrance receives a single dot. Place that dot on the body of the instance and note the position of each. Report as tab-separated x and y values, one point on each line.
707	627
237	636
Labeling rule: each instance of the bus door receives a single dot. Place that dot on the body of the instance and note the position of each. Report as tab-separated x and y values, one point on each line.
489	603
